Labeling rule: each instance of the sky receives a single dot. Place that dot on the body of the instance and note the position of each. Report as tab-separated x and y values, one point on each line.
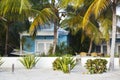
118	10
118	13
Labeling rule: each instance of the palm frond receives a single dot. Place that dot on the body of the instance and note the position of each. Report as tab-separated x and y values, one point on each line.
13	6
106	26
74	3
95	8
87	15
100	5
42	17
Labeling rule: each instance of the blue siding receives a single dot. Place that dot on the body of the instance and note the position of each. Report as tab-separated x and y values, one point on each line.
117	40
62	38
29	44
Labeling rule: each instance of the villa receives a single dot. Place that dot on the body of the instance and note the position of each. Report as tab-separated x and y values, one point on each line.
43	40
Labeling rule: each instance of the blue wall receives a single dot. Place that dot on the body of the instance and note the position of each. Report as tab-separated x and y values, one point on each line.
29	43
63	38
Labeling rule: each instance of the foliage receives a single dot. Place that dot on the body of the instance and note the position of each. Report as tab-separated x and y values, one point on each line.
61	49
56	64
63	64
1	62
96	66
29	61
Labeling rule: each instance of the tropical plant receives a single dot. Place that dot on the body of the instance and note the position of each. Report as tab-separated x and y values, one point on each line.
12	13
96	66
64	64
21	10
61	49
29	61
56	64
74	22
96	8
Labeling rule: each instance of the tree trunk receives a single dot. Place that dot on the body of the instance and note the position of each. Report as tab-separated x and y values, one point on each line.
108	48
56	23
111	66
90	47
55	37
6	42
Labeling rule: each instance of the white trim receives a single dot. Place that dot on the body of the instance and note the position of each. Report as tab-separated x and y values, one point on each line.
102	47
21	44
41	33
42	41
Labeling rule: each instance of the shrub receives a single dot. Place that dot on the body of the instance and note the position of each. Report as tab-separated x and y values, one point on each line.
63	64
1	62
56	64
96	66
61	49
29	61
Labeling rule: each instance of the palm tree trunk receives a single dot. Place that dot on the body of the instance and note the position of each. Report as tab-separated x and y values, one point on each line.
90	47
6	42
55	26
55	37
108	48
111	66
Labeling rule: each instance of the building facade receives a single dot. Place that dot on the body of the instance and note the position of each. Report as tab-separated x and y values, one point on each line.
43	40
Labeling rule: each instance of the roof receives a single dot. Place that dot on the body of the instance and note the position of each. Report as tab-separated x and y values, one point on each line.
47	32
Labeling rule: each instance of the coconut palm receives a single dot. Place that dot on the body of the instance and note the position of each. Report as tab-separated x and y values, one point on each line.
52	15
96	8
13	10
105	28
73	21
10	7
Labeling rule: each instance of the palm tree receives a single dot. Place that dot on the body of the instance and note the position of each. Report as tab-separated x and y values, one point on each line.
96	8
73	21
52	14
10	7
105	28
13	10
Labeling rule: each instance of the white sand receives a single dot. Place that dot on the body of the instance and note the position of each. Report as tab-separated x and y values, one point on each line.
49	74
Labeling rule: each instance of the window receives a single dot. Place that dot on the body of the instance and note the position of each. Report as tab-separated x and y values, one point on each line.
118	50
43	46
98	49
104	49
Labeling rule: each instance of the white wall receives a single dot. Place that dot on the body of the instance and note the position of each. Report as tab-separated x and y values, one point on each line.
46	62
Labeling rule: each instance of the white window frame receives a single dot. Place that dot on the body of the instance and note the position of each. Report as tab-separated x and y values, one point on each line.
102	47
42	41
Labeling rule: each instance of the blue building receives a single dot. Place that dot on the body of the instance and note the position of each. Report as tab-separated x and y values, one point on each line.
43	40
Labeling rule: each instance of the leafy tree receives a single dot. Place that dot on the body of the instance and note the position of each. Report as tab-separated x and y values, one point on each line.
74	19
96	8
10	10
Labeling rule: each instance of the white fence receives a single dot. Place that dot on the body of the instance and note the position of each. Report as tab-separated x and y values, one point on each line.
46	62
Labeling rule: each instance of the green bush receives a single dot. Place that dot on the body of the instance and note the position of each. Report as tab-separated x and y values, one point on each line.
1	62
56	64
96	66
63	64
29	61
61	49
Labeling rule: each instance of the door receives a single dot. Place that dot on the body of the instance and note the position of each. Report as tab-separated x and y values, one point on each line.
43	46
